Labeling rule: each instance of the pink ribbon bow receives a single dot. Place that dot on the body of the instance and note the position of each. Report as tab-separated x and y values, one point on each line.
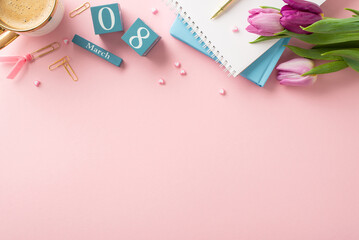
19	63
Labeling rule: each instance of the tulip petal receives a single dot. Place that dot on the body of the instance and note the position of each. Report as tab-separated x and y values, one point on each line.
293	20
302	81
287	75
291	73
267	23
286	8
304	6
292	27
299	17
255	11
252	29
296	65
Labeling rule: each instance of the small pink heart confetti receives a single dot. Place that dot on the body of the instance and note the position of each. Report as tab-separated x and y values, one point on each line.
183	72
161	81
37	83
154	11
66	41
222	91
177	64
235	29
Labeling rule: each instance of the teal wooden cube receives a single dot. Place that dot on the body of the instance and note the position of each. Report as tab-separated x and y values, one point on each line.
140	37
107	18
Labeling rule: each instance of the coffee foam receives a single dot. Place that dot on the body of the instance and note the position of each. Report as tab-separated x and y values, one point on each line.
25	14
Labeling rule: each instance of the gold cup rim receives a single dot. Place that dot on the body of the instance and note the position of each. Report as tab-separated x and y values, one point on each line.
2	27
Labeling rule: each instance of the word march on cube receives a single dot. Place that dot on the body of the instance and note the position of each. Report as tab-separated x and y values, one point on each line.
98	51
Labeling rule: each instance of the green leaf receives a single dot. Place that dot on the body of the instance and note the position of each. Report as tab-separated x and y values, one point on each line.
334	25
266	38
352	53
356	12
325	38
313	53
265	7
284	32
352	63
350	44
327	68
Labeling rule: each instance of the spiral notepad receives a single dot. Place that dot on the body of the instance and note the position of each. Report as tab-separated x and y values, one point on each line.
232	50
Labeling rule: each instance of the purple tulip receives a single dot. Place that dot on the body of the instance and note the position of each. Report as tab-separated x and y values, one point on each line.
264	21
290	73
299	13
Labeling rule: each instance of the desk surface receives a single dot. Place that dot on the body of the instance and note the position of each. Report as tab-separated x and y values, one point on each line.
117	156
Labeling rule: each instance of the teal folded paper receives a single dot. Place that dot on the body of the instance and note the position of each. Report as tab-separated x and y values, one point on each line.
258	72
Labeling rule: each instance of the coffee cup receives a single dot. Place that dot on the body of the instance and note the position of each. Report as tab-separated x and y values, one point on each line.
28	17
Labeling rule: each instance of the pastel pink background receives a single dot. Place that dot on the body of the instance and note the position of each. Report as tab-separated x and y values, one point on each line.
117	156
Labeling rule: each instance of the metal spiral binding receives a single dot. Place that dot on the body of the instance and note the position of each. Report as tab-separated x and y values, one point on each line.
209	45
200	36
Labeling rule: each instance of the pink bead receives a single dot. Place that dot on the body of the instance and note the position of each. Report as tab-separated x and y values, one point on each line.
37	83
161	81
28	57
154	11
66	41
177	64
183	72
235	29
222	91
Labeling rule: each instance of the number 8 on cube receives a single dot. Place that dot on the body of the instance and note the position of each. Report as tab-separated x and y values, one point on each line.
140	37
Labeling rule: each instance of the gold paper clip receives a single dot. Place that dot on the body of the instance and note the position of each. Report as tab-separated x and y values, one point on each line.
45	50
79	10
65	62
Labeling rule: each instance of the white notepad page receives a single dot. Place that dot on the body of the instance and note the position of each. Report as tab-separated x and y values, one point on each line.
235	48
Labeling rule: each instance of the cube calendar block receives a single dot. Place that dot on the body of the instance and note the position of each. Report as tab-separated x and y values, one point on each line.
140	37
107	18
98	51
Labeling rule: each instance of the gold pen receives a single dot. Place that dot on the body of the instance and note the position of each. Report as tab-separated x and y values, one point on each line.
222	8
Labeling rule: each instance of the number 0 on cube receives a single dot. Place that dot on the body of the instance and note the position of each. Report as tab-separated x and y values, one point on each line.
107	18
